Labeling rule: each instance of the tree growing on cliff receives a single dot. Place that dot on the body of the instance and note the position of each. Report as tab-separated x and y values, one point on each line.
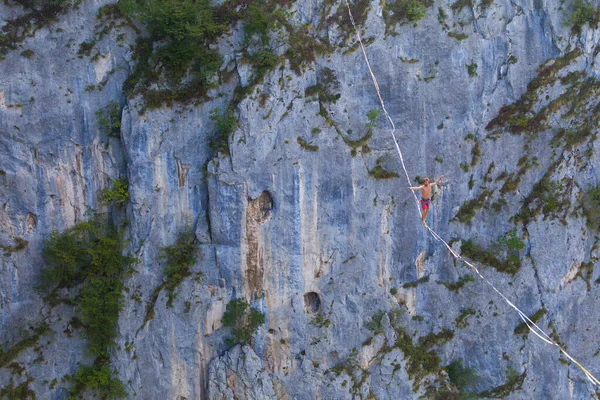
243	321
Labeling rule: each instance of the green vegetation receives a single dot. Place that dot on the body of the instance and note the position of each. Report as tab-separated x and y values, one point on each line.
519	117
590	203
306	146
374	325
472	69
243	320
421	359
522	328
462	319
513	382
8	355
461	377
37	15
460	4
109	119
28	53
467	211
351	367
361	143
179	44
119	193
507	246
88	259
226	122
458	35
379	172
547	197
416	283
179	256
320	321
585	272
403	12
20	392
393	291
98	379
584	13
456	286
20	244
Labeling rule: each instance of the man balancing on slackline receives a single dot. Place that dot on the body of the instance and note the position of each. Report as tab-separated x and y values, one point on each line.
425	189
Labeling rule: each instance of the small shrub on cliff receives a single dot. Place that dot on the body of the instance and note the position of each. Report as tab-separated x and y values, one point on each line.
461	377
243	320
109	119
583	14
225	124
118	194
179	257
591	207
89	257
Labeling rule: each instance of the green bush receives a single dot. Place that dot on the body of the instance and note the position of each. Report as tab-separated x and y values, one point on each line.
590	203
242	319
583	14
109	119
415	10
119	193
461	377
180	256
99	379
507	246
181	33
226	123
404	11
89	257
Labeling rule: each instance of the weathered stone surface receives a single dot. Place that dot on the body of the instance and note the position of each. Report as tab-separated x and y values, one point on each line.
277	224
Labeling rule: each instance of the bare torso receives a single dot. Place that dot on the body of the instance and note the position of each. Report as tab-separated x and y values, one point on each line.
426	191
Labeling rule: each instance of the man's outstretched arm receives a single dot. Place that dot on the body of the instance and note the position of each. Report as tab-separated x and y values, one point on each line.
415	187
438	181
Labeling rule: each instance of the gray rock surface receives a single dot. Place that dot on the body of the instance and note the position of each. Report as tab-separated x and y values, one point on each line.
321	251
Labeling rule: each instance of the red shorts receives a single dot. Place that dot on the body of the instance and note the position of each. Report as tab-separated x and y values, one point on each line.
425	204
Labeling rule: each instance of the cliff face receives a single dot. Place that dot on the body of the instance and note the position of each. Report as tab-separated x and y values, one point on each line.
360	302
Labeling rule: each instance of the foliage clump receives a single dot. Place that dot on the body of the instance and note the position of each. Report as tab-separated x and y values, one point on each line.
421	359
119	193
226	122
380	172
306	145
463	378
507	246
109	119
403	12
522	328
584	13
37	15
513	382
456	286
98	379
590	202
243	320
88	259
178	49
467	211
8	355
179	256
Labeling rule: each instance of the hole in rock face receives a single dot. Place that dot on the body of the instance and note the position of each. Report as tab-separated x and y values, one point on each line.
312	302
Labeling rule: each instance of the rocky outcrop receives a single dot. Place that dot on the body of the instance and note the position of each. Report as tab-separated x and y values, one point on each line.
359	301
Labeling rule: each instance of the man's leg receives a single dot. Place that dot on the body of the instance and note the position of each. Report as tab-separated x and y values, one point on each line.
424	213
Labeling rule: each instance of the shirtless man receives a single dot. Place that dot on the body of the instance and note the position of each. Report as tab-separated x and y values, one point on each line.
425	189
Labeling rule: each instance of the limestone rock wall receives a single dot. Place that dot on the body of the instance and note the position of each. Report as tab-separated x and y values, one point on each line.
310	238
